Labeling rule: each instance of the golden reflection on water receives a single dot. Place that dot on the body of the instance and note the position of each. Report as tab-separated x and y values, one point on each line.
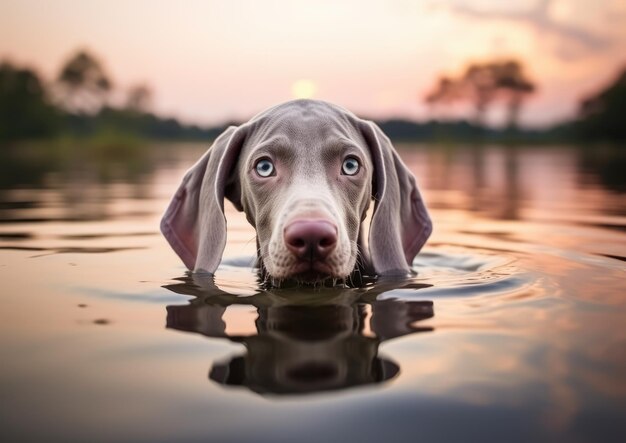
520	291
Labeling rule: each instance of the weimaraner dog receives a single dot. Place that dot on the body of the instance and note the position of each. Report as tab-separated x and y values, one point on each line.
304	172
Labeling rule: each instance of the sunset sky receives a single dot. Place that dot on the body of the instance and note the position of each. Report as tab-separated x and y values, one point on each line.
211	61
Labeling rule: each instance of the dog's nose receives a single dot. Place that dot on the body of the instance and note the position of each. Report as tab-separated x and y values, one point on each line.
310	239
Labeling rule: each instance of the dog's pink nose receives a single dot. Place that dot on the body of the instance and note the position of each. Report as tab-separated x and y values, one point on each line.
310	239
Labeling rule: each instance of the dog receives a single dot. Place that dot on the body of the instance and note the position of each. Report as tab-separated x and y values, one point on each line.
304	173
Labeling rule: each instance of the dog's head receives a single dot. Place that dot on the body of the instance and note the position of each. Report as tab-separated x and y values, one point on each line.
304	172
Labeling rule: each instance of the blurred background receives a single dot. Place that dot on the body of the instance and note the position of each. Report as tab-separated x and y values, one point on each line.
531	70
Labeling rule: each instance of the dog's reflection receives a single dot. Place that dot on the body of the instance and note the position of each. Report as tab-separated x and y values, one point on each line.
301	341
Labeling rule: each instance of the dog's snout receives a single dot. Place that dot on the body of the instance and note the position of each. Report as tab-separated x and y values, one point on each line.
311	239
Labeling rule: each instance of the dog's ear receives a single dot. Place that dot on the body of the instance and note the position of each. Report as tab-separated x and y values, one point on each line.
400	224
194	222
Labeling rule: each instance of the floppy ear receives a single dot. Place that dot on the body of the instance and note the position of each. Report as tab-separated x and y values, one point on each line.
400	225
194	222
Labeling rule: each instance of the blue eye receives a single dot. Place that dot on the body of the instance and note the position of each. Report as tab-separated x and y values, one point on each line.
264	167
350	166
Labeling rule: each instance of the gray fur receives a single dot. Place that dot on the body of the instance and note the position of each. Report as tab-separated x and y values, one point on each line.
307	141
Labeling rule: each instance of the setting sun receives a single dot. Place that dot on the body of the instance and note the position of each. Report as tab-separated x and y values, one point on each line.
303	88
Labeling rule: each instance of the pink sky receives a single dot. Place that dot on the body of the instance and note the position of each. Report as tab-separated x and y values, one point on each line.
211	61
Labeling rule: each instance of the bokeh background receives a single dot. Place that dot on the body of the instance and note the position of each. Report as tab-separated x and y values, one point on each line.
552	69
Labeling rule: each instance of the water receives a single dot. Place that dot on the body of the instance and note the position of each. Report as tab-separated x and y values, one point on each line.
513	329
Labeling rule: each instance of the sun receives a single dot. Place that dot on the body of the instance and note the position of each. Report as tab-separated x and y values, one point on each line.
303	88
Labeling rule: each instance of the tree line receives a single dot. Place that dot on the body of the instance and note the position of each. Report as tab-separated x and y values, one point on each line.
78	102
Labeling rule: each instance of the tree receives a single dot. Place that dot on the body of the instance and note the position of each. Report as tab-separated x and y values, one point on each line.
514	88
24	108
484	83
601	115
447	91
139	99
83	85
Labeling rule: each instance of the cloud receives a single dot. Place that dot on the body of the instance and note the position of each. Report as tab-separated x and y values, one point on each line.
573	39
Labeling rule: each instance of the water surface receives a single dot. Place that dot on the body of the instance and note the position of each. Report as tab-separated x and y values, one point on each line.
512	330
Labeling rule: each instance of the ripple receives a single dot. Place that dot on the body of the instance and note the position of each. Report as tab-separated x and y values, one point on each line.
616	257
462	274
15	236
451	273
68	250
468	289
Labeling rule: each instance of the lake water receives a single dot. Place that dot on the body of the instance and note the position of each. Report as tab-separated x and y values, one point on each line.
514	328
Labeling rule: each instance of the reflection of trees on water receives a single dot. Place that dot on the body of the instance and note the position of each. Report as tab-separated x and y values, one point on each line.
493	181
501	181
17	170
84	181
473	172
302	340
501	200
606	164
512	195
477	195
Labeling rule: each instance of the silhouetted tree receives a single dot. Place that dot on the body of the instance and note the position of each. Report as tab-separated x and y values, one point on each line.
602	115
139	99
479	85
514	87
482	84
83	85
447	91
24	108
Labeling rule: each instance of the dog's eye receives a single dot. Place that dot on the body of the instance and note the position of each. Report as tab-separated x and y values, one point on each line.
264	167
350	166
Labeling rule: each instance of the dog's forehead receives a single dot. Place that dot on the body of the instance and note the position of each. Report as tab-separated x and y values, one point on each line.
308	122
